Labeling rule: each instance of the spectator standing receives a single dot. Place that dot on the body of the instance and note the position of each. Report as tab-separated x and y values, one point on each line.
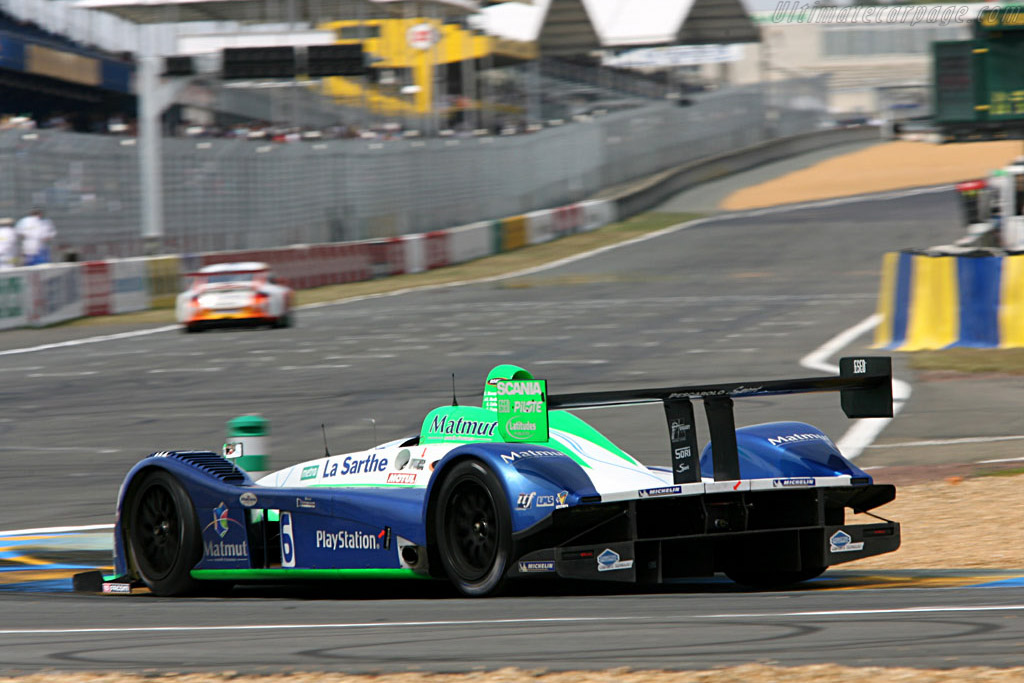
8	244
36	232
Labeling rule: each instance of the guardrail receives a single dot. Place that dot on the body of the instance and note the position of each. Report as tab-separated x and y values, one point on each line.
44	295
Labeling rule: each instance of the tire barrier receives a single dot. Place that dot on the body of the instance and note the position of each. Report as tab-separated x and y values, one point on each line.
13	312
129	285
513	233
163	279
55	294
470	242
938	301
38	296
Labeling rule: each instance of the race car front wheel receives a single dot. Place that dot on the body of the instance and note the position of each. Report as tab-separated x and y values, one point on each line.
474	529
163	534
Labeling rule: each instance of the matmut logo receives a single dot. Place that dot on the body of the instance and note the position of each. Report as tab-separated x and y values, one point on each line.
463	427
796	438
520	455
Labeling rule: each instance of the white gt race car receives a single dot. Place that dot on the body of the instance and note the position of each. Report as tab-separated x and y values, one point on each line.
226	294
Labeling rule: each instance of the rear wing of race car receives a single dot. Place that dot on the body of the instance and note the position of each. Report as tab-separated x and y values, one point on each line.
864	385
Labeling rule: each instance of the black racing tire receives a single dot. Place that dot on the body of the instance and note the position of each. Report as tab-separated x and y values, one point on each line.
473	526
191	328
164	538
773	579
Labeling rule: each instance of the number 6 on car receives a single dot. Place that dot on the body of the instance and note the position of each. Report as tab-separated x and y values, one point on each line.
287	544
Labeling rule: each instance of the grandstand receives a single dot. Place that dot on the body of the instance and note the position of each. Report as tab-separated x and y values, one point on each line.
368	167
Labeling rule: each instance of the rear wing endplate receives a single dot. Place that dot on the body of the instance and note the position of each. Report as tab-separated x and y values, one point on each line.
864	385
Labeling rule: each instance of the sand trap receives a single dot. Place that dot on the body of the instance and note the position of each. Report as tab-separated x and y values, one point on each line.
887	166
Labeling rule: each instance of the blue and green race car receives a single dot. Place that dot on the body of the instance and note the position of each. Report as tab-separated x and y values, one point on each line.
520	488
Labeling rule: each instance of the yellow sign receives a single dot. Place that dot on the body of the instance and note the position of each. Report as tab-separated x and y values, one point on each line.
65	66
997	19
164	280
408	51
1006	103
513	233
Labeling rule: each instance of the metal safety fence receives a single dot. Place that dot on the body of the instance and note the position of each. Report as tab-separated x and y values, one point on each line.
245	194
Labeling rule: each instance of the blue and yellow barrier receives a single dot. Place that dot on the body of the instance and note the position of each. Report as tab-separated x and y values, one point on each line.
934	302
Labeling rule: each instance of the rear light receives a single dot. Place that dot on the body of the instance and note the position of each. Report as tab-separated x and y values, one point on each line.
971	186
259	299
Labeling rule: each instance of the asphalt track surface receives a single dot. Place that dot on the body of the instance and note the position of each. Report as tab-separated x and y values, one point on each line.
737	298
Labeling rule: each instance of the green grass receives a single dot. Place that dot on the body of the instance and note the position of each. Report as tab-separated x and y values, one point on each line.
1011	472
649	222
970	361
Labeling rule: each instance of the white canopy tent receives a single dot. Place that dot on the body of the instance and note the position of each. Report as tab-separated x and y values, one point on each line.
564	27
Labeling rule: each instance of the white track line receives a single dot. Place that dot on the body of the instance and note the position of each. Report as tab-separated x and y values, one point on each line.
90	340
56	530
864	431
957	442
855	612
503	622
292	627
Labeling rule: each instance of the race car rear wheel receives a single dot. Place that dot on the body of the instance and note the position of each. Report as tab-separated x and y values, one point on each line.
474	529
163	534
773	579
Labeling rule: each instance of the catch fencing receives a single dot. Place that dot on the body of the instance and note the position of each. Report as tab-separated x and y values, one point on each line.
224	194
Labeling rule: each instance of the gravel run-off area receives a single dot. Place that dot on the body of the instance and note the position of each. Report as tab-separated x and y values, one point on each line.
880	168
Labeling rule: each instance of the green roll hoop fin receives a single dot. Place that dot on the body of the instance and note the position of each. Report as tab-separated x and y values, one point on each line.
498	373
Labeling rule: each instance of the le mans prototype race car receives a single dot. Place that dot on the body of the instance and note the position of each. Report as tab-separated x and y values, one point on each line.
520	488
243	293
